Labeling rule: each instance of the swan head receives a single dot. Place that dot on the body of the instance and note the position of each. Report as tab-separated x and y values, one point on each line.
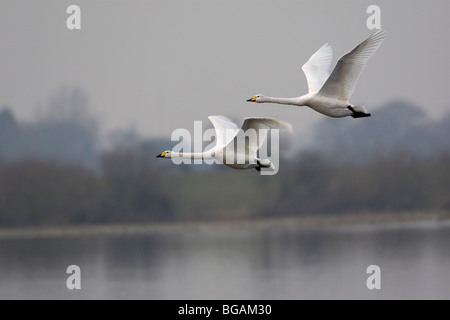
258	98
165	154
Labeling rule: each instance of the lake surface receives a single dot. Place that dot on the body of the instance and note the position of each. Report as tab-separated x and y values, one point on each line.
234	264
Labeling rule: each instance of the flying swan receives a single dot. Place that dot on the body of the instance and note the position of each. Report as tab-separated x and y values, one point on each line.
237	148
329	94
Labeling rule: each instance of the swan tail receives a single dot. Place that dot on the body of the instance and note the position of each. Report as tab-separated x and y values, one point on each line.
359	112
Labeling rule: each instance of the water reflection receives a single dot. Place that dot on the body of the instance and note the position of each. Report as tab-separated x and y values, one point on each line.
233	264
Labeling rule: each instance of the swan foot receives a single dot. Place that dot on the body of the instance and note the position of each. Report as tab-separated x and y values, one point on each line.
358	114
263	164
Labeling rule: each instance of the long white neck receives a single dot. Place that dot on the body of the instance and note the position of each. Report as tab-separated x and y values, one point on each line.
299	101
207	155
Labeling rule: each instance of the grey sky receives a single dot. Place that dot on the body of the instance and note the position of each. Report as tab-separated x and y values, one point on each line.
160	65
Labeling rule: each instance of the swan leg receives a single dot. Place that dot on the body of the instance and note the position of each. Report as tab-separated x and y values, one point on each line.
263	164
358	114
258	168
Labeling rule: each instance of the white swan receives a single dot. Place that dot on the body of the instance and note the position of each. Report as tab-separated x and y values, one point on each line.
330	94
237	148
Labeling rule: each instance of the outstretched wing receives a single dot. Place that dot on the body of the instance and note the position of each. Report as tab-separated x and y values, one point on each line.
317	69
256	129
226	129
343	79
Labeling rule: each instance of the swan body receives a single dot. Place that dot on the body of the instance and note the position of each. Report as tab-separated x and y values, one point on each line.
329	93
236	147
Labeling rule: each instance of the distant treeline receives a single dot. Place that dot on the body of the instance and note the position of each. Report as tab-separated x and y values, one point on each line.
63	131
38	192
398	160
52	172
398	182
131	189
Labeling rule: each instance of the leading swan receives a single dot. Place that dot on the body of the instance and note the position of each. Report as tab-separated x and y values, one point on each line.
329	94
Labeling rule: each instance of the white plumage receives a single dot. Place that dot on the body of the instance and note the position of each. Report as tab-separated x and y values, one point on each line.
328	93
237	147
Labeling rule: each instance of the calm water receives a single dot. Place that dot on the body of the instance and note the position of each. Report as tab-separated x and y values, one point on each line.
245	264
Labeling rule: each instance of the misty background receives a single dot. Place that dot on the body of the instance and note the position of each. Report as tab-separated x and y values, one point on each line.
159	65
84	113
